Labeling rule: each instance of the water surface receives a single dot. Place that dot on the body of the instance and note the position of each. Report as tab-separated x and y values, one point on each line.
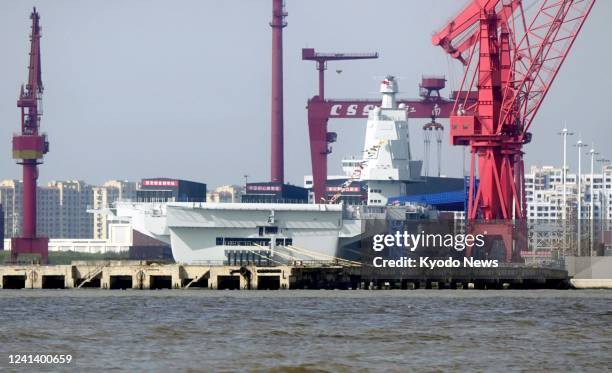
303	330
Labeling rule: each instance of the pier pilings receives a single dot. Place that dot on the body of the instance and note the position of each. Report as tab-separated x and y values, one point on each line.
148	275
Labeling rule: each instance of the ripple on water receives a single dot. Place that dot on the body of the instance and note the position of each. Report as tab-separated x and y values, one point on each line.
305	331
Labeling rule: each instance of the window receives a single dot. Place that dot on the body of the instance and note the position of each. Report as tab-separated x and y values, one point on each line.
284	241
271	230
239	241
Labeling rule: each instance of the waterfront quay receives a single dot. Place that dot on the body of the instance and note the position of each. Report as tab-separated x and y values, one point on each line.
124	274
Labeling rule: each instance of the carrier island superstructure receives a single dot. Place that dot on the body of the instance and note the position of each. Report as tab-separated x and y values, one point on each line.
387	164
282	232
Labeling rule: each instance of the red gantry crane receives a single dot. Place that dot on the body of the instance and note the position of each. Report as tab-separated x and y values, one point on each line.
29	148
320	110
512	51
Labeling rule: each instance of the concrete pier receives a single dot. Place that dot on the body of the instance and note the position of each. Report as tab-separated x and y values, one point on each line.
590	272
503	277
142	275
146	275
36	277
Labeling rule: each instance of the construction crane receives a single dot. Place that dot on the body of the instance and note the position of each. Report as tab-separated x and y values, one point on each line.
511	54
29	148
321	109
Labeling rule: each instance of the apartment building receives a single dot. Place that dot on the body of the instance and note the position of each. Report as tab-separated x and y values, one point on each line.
544	194
62	207
104	197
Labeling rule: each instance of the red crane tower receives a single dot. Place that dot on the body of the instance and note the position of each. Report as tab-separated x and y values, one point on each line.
29	148
511	54
320	110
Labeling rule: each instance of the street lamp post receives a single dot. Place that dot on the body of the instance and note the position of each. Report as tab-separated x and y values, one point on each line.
592	153
603	222
564	132
579	145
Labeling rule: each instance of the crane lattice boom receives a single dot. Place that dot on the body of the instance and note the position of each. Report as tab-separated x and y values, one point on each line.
512	51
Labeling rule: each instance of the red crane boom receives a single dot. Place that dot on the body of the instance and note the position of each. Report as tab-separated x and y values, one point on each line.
309	54
29	148
512	54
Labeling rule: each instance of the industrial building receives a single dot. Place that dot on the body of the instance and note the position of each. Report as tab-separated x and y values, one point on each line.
274	192
170	190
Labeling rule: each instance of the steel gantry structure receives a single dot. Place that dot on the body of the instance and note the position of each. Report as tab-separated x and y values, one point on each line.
512	51
431	105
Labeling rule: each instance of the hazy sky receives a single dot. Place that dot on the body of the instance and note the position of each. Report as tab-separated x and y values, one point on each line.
182	88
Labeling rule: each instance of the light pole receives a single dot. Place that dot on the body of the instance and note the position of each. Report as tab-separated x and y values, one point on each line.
592	153
603	221
579	145
564	132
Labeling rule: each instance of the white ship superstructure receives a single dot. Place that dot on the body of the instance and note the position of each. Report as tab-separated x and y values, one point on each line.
387	163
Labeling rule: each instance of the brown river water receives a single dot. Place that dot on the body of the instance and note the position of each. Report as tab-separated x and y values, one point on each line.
308	330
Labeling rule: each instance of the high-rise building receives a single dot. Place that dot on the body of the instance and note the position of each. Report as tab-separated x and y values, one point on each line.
103	198
62	207
47	205
1	227
74	198
48	212
10	197
544	194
